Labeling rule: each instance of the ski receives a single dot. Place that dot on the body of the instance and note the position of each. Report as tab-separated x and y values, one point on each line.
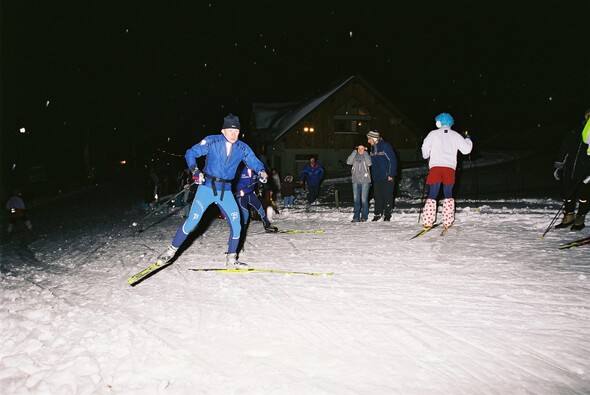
293	231
257	270
145	273
423	231
575	243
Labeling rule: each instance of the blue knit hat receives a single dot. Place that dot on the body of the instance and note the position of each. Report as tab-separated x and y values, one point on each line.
231	122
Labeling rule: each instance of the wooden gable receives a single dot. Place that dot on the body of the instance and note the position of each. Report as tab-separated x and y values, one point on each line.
330	125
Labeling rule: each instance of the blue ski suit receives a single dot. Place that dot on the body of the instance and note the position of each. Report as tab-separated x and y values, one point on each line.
246	195
221	164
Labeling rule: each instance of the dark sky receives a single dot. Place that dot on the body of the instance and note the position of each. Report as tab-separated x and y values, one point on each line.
123	73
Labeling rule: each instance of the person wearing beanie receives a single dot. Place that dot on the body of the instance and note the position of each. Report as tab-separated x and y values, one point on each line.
384	170
572	169
224	154
441	147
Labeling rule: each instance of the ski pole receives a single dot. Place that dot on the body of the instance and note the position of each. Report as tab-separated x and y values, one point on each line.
553	220
165	203
423	196
475	182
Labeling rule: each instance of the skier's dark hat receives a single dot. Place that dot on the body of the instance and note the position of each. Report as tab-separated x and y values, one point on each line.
231	122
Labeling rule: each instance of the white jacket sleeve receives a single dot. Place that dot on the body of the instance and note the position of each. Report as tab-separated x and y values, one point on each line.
464	145
427	146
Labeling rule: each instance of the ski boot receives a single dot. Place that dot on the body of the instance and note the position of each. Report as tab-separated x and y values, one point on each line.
568	219
232	262
167	255
271	229
578	223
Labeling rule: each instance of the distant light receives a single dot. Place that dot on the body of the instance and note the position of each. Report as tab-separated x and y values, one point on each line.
123	162
22	130
550	98
350	33
47	104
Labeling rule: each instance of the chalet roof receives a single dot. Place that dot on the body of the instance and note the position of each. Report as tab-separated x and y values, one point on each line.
273	120
277	118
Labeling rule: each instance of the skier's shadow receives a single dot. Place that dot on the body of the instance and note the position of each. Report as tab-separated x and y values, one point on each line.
210	215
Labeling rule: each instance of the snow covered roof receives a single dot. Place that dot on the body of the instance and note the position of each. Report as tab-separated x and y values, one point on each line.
277	118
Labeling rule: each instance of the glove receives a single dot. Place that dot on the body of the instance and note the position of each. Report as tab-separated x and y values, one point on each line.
198	175
557	174
467	136
587	180
262	176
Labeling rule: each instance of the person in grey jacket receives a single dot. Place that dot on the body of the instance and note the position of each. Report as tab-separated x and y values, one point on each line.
361	182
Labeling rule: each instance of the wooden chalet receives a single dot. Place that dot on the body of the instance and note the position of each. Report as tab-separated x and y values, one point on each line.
328	127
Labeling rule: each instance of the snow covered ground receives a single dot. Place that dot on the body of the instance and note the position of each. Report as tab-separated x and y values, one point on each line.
489	308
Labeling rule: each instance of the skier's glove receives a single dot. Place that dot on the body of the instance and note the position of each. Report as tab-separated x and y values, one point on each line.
198	175
262	176
587	180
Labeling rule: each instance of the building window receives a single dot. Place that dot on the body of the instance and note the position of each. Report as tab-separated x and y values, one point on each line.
352	118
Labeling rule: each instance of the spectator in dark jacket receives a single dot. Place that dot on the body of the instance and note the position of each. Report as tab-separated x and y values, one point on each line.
288	191
384	170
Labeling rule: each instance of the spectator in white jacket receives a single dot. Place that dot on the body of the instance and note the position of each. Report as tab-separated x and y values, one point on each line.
440	147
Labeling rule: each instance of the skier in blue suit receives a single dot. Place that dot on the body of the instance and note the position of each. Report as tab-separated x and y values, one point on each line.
224	153
246	186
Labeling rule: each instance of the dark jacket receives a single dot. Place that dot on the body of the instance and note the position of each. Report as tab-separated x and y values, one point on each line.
572	157
384	161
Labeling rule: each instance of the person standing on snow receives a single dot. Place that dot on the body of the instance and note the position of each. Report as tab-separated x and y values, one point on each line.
17	211
224	153
572	168
313	174
288	191
361	182
384	170
441	147
246	186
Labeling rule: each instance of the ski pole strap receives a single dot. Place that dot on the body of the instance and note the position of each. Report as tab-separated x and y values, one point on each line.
214	187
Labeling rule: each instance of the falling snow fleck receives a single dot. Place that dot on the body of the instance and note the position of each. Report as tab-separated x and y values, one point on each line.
350	33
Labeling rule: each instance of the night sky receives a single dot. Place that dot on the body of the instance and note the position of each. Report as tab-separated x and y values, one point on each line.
162	74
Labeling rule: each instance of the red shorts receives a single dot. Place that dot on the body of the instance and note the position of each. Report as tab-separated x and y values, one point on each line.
437	174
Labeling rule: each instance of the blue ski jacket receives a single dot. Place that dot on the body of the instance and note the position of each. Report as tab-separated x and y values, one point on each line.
246	182
222	160
313	175
384	161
